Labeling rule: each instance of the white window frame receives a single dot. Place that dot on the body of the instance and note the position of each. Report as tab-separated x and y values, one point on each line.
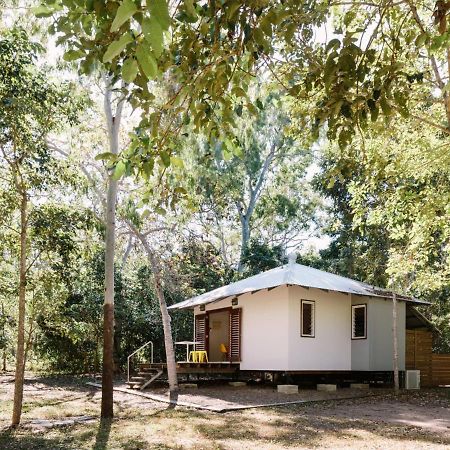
313	318
354	307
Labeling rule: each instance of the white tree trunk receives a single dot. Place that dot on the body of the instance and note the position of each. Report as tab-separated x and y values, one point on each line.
395	342
113	125
20	353
166	320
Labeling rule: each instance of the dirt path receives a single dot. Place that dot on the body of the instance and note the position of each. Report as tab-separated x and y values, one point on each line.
412	420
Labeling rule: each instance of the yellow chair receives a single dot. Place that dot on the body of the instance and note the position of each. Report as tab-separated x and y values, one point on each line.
224	351
193	356
202	355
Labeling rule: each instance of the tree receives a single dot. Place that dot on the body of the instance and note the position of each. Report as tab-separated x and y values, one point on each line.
113	120
259	171
31	107
380	59
208	52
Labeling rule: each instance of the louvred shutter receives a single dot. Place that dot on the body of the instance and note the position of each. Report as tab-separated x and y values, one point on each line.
200	332
235	334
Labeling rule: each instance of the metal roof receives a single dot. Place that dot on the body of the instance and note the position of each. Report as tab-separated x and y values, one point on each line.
292	274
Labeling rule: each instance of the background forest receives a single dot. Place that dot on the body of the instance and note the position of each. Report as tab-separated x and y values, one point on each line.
287	161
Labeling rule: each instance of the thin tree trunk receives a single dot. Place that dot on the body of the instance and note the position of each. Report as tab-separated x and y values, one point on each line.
113	123
4	336
245	238
167	327
20	353
395	341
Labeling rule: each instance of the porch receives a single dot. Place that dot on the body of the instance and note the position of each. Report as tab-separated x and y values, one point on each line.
184	367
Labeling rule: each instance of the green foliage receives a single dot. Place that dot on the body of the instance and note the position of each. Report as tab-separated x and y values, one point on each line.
369	69
69	338
30	107
259	257
206	53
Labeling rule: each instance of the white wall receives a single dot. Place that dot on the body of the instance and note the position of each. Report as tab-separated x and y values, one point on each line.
330	349
376	352
271	338
381	343
264	328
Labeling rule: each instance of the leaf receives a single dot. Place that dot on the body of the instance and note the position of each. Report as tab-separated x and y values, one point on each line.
45	10
160	11
72	55
119	170
190	9
124	13
129	70
153	34
420	40
147	62
385	106
165	157
332	45
115	48
106	156
177	162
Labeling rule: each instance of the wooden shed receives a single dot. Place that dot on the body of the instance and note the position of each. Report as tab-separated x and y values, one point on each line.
434	367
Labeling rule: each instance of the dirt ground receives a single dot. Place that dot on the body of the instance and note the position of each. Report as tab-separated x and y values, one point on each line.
410	420
223	397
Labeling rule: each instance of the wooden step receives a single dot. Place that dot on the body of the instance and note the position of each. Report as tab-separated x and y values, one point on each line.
139	379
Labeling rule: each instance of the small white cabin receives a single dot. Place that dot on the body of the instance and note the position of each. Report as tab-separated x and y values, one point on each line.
296	318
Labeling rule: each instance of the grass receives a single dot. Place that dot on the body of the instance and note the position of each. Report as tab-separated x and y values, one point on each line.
141	424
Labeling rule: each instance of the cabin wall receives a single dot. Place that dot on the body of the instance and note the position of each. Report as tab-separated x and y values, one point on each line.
361	347
381	337
376	352
264	328
271	337
330	349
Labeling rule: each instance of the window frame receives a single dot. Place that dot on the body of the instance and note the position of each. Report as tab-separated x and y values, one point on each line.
313	318
357	338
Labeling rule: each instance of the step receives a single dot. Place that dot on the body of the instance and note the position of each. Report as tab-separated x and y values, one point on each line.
138	378
134	383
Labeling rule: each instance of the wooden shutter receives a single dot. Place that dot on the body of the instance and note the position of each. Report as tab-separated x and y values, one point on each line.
200	332
235	334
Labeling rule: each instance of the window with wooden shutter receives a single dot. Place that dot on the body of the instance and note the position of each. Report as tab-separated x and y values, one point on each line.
235	334
359	321
307	318
200	332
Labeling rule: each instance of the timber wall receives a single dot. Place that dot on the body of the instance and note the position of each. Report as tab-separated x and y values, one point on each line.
434	368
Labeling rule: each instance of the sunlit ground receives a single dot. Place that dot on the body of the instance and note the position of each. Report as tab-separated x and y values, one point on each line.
413	420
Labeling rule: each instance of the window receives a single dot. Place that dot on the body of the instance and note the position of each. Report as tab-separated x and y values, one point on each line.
307	318
359	321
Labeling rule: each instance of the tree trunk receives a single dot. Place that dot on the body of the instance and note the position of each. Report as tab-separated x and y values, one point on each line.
20	354
245	238
167	327
113	123
395	341
4	336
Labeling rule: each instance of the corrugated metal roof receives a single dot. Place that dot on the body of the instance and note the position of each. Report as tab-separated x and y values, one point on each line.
292	274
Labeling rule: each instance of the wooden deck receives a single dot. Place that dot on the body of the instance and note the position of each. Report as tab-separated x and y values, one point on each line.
184	367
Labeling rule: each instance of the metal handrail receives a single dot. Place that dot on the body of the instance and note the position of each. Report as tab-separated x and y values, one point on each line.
140	348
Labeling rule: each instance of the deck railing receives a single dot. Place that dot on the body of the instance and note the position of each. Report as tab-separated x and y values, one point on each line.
136	351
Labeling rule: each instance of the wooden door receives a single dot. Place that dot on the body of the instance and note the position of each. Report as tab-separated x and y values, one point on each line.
201	332
235	335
